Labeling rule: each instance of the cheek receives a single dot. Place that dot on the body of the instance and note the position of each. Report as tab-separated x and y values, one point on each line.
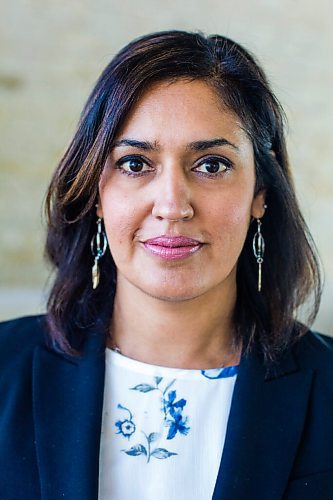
231	212
121	219
230	222
239	215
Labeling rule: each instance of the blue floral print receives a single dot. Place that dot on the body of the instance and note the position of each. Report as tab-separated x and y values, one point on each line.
172	405
173	418
172	410
177	424
227	371
176	421
125	427
140	449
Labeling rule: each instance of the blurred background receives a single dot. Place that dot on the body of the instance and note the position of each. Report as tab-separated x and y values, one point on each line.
53	51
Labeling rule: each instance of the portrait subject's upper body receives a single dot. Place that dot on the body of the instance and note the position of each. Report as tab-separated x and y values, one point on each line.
171	362
276	442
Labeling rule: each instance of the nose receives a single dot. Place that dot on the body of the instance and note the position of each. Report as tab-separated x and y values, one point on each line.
172	200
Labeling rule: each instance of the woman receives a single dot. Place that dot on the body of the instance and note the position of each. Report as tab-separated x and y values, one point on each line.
171	363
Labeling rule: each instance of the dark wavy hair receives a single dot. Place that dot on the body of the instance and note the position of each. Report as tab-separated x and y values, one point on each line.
291	274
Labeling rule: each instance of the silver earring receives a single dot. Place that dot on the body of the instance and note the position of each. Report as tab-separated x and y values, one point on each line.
259	250
98	246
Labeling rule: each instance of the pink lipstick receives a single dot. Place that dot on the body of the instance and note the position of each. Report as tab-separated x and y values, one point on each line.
172	247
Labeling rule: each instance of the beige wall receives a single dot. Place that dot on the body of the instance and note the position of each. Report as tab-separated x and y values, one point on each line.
52	52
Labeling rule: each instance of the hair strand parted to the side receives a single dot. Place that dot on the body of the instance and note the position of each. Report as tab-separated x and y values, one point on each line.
291	273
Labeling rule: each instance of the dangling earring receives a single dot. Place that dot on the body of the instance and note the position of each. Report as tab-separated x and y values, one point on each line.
98	246
258	250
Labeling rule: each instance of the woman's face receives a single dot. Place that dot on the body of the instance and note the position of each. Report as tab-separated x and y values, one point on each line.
177	193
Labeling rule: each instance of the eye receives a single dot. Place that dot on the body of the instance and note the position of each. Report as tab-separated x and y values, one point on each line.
213	166
132	165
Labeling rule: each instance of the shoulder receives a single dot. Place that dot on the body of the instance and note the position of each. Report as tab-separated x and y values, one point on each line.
314	350
19	337
18	340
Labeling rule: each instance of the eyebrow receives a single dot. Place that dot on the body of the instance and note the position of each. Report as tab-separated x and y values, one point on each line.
148	146
192	146
202	145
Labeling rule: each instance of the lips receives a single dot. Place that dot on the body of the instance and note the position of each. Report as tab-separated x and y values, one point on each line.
173	241
172	247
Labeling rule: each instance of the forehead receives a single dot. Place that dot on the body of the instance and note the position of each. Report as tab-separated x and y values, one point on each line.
182	111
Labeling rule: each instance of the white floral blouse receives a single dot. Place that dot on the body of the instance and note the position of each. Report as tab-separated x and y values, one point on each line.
163	430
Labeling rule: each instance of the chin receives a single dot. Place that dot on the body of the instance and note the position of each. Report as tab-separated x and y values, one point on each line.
174	295
174	298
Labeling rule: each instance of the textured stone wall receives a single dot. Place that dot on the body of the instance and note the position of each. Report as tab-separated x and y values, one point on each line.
52	52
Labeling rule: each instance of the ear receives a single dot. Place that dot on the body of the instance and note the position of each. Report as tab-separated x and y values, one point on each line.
258	204
99	210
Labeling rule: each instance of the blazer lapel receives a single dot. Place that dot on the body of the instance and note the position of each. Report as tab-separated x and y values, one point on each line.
67	406
264	429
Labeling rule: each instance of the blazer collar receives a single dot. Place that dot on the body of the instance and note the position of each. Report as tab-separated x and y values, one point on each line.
264	428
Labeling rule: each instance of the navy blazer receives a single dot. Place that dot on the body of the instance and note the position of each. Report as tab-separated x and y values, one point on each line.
279	441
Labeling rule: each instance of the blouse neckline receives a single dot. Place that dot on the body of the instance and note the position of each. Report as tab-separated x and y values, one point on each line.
114	358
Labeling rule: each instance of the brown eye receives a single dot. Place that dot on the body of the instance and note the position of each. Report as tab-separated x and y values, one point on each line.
132	165
213	166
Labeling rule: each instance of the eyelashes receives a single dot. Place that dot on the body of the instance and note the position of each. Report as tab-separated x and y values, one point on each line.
214	166
138	166
133	165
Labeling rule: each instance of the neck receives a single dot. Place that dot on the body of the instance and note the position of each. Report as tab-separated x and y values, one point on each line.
195	333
